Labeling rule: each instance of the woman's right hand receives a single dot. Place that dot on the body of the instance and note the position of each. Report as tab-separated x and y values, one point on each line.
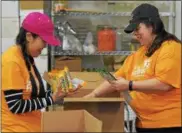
58	97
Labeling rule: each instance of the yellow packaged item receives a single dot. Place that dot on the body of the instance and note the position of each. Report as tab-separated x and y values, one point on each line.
54	84
61	80
68	78
63	83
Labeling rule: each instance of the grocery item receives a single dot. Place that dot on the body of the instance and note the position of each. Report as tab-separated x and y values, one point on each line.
106	39
60	80
109	77
78	83
63	84
88	45
106	75
53	80
68	78
60	5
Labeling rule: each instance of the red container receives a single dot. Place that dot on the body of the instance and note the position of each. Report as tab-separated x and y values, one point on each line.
106	39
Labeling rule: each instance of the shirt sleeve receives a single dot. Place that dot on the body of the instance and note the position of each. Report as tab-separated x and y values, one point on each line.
120	72
18	105
125	67
12	77
168	65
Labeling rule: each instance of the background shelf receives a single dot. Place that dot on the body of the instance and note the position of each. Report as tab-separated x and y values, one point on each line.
99	14
87	16
97	53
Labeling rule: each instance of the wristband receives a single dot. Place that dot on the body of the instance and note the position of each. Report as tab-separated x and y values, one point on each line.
130	85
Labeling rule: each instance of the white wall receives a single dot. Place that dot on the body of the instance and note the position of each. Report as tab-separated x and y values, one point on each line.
10	23
10	28
178	20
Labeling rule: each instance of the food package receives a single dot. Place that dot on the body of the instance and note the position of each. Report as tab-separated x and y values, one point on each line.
60	80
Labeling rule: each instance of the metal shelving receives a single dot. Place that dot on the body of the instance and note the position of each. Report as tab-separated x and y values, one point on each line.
74	14
103	14
97	53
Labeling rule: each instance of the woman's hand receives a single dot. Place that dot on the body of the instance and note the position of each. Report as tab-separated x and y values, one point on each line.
120	84
58	97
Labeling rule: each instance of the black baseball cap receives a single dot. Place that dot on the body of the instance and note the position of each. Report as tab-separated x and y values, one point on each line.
140	13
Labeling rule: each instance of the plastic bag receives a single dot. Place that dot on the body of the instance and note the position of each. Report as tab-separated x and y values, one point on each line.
88	46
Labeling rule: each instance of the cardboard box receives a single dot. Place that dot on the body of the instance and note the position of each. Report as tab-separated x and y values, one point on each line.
73	63
31	4
109	109
70	121
92	79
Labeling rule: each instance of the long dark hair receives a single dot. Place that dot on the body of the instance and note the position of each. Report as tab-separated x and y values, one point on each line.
161	35
22	42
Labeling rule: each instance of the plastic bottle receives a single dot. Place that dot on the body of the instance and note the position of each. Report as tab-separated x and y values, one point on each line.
106	39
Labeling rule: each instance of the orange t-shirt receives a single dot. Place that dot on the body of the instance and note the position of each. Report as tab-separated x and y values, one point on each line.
156	109
15	76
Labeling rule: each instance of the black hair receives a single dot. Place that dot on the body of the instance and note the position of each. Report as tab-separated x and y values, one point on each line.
161	35
22	42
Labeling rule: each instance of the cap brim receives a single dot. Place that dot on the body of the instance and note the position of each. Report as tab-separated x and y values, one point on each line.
130	28
51	40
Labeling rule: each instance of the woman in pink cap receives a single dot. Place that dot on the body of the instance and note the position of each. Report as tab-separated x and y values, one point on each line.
23	92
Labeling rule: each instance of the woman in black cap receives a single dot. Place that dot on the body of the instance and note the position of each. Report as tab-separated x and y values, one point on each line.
152	74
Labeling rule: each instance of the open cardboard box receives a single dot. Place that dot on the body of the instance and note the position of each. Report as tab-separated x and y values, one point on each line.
109	108
70	121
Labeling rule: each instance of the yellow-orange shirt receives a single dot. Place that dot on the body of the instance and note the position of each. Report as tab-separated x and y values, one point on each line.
15	76
156	109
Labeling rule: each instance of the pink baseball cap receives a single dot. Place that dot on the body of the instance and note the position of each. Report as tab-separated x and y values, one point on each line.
40	24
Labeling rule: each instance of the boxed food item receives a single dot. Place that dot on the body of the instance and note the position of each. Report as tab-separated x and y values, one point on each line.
70	121
60	80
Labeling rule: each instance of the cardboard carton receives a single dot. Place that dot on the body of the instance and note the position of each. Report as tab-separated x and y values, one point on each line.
31	5
108	108
70	121
92	79
73	63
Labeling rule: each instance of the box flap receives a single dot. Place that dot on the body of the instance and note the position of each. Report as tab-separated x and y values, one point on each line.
88	76
92	79
73	63
63	121
66	58
82	92
92	124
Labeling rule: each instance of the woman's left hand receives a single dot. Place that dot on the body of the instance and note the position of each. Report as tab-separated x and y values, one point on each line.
120	84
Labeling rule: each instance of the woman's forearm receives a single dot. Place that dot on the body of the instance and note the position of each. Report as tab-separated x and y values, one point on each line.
104	88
